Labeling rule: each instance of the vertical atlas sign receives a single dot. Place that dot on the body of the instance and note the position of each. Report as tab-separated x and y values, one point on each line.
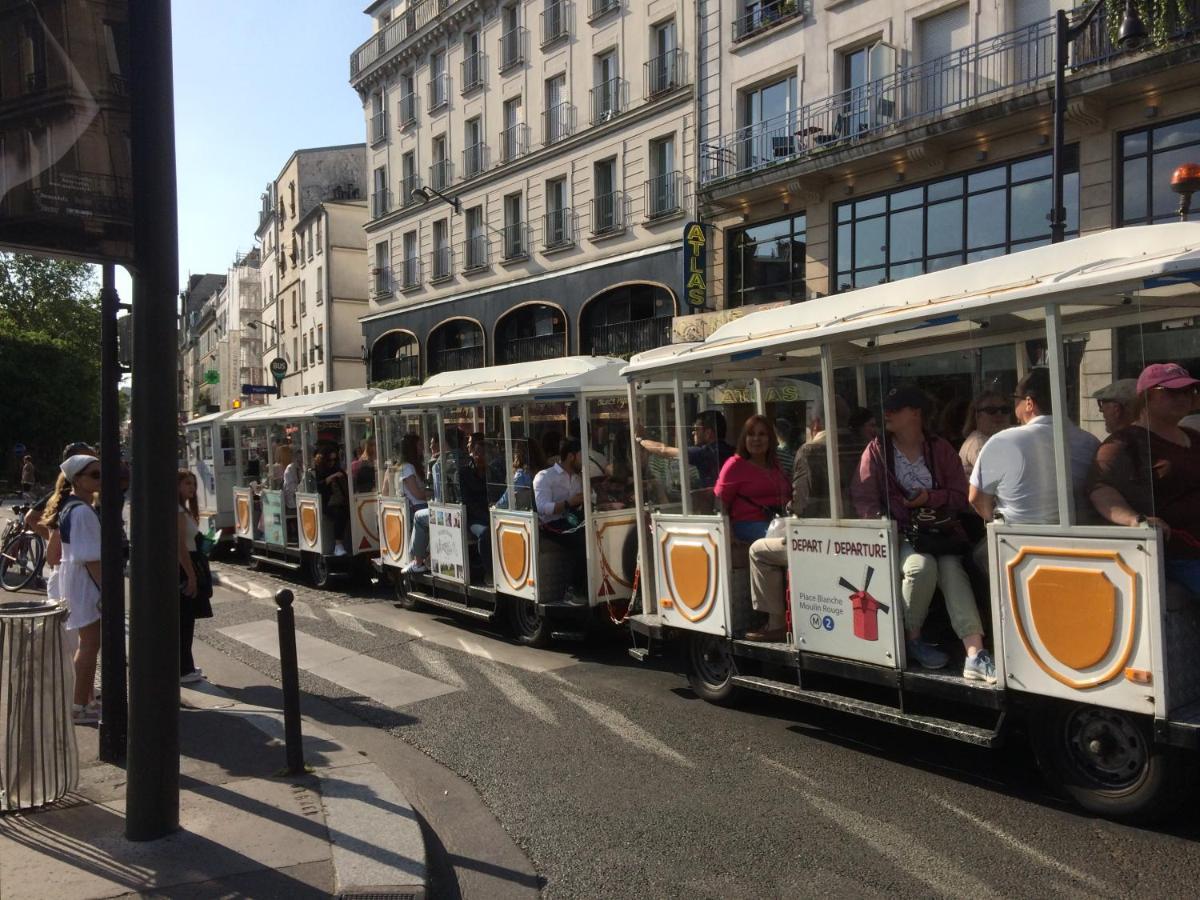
695	266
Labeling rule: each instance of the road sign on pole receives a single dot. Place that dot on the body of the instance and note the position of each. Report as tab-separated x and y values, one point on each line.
279	367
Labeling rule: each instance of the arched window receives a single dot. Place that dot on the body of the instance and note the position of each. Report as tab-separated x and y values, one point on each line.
455	345
626	320
531	332
396	355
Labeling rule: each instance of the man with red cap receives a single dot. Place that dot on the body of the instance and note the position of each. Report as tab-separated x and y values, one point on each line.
1149	472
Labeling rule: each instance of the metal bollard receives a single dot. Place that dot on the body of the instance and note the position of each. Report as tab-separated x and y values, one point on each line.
290	676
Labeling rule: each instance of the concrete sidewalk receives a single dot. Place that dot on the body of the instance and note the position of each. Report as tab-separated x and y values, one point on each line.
344	830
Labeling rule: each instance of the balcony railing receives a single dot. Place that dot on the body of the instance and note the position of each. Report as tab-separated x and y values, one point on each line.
474	72
408	110
665	73
412	272
439	91
379	127
987	71
441	264
395	368
624	339
514	142
475	253
607	100
381	203
664	195
512	47
600	8
760	15
408	187
559	228
455	359
555	22
441	173
381	281
531	349
608	213
515	240
474	160
399	30
558	122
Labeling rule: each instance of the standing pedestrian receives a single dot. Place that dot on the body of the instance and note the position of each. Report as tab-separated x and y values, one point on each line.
28	475
195	580
74	515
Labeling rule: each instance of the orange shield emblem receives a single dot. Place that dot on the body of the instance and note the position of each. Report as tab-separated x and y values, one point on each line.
393	531
691	565
513	545
308	523
243	513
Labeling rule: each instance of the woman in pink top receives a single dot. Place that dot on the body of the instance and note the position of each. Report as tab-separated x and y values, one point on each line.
752	487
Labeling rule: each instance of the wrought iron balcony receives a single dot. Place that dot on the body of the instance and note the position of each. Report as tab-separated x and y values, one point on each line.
602	8
559	228
474	72
514	142
608	213
408	110
441	264
381	203
396	368
607	100
455	359
381	281
474	160
512	47
760	15
556	22
558	122
664	195
412	272
439	92
624	339
441	173
1017	61
396	33
531	349
665	73
379	127
408	187
515	240
476	253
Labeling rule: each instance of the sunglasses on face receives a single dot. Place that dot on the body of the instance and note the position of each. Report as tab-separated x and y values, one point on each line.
1189	391
995	410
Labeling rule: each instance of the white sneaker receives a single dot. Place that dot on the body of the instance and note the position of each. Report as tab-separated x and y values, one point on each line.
192	677
415	568
339	550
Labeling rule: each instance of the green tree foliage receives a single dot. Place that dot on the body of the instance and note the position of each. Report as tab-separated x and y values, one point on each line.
49	358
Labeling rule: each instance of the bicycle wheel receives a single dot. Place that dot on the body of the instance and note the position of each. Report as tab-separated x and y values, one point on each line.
21	560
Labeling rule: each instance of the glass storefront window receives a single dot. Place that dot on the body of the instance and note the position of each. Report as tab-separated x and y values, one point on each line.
766	262
951	221
1148	157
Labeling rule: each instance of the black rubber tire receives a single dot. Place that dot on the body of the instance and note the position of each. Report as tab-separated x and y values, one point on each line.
404	599
529	626
21	560
711	668
1107	762
316	570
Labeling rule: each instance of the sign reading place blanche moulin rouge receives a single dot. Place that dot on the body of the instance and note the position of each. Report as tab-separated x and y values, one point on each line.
844	596
695	266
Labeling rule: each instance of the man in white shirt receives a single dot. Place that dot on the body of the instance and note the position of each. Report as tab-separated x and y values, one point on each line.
558	498
1014	476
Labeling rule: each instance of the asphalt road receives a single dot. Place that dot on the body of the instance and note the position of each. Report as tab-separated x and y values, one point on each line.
617	782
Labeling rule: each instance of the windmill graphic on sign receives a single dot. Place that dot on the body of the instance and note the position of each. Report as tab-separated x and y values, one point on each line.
866	608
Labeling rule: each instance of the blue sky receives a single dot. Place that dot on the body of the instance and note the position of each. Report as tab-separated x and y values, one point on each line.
254	80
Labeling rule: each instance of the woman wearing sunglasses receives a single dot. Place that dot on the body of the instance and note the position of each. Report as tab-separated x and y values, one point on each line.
1149	472
75	517
991	412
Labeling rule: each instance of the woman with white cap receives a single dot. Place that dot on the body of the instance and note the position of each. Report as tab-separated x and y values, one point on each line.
78	524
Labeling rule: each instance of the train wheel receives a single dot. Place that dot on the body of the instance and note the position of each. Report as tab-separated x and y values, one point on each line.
529	626
1107	762
710	668
404	599
316	569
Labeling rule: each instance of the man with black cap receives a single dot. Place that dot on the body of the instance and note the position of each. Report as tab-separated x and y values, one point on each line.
1116	402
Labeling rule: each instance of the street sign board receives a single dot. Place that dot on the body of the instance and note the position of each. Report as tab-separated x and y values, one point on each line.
279	368
260	389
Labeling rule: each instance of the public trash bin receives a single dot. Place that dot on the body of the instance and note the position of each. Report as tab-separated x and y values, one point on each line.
39	761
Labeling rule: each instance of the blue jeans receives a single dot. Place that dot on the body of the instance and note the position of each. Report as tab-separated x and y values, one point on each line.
749	532
419	548
1185	572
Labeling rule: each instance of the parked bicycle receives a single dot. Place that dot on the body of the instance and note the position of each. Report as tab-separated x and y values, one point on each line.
22	552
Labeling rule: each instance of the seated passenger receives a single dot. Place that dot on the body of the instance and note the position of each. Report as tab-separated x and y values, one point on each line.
863	426
1014	476
411	481
751	486
989	414
473	479
785	450
362	470
332	487
904	470
522	483
1116	402
813	458
558	497
1149	472
708	451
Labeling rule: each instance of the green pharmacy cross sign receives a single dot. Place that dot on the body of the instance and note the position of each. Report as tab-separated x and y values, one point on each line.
212	376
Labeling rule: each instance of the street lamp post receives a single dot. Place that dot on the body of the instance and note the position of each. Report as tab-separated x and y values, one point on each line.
1130	36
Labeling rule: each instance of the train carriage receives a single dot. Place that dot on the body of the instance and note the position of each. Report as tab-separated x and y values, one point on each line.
211	459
